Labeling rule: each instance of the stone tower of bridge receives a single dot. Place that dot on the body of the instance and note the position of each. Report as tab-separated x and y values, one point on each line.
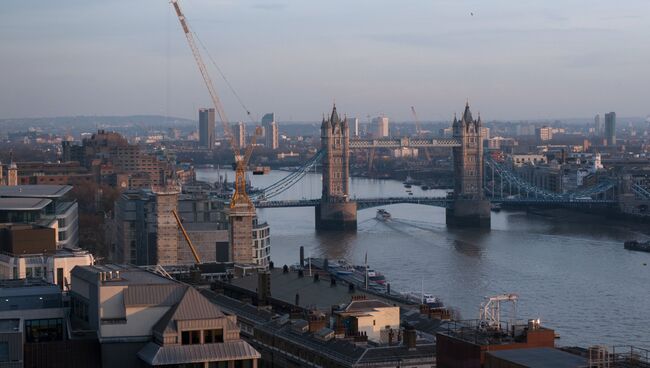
470	208
335	210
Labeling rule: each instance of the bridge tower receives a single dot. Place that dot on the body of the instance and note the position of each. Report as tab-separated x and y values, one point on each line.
335	210
470	208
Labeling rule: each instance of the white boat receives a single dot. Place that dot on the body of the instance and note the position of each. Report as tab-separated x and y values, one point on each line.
424	298
383	215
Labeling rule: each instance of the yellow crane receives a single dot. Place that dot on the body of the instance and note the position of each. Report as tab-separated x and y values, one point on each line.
239	197
187	237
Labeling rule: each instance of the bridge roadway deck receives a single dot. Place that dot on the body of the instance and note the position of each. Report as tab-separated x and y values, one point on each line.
357	143
445	202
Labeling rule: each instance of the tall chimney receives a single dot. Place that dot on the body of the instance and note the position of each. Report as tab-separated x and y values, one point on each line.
410	337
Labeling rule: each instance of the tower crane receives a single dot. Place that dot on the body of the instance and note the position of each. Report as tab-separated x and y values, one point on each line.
197	259
239	197
418	132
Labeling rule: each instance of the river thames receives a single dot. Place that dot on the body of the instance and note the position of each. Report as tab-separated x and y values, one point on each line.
569	270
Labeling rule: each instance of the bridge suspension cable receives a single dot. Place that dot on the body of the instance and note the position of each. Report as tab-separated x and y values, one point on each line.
290	180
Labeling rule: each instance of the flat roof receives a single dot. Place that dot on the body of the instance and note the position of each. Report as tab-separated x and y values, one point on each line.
317	294
23	204
35	191
540	358
128	275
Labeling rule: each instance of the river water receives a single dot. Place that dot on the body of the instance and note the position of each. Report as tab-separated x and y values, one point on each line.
569	270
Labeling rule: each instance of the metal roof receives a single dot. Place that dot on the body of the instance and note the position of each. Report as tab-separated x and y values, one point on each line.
192	306
153	295
540	358
129	275
35	191
156	355
23	204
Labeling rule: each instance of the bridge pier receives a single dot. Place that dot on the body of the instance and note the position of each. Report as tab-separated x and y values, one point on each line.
336	216
469	213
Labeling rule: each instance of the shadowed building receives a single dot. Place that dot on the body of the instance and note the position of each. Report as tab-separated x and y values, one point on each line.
336	211
206	128
470	208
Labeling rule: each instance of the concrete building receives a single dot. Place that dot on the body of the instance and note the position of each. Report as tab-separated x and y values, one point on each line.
544	133
598	126
207	120
34	331
142	319
271	133
380	127
239	132
610	128
44	205
51	266
354	124
146	229
373	318
464	344
115	162
519	160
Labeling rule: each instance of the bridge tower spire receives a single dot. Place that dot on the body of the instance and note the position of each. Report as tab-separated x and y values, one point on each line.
470	208
336	211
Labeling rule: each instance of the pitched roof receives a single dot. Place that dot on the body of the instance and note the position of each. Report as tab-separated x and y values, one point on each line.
153	295
467	115
156	355
191	306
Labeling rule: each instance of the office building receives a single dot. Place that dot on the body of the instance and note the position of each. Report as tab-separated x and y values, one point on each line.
610	128
380	127
146	233
598	127
142	319
239	133
354	126
271	134
34	330
544	133
48	206
207	120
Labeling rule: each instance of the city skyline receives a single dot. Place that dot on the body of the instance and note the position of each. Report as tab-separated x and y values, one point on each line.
513	61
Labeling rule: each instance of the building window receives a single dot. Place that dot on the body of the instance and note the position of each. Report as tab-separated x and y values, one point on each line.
248	363
190	337
218	365
41	330
213	336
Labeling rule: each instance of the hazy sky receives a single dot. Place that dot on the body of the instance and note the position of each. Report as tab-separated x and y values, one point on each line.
514	59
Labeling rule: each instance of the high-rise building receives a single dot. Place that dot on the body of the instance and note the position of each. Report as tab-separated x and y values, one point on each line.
271	136
354	126
380	127
239	132
207	119
544	133
598	127
610	128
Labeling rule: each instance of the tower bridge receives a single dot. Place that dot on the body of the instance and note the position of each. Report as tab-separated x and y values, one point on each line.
466	206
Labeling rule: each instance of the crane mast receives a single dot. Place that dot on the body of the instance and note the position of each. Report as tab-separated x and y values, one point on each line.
240	197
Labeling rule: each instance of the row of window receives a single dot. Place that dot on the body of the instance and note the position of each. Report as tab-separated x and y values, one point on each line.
194	337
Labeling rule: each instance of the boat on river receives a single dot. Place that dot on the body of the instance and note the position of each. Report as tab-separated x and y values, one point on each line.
383	215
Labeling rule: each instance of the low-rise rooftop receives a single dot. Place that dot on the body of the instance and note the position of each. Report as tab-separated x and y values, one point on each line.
540	358
35	191
23	204
113	274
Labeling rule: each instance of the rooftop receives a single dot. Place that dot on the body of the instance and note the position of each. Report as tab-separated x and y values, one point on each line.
321	294
156	355
540	358
35	191
23	204
128	275
27	287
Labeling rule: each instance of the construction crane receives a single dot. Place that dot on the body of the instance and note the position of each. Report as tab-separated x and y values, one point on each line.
418	132
490	312
187	238
239	197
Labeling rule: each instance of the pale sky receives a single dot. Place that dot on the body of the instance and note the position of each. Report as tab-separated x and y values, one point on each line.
516	59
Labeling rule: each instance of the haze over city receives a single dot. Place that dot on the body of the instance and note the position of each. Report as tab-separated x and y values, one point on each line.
513	59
